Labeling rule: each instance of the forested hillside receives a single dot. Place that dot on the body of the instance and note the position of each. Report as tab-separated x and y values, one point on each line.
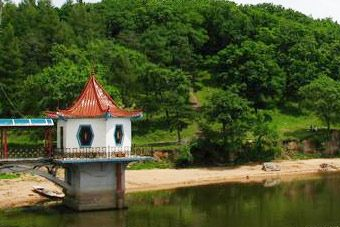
203	69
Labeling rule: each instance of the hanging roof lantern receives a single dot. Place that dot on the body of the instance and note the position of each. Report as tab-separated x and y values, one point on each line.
94	102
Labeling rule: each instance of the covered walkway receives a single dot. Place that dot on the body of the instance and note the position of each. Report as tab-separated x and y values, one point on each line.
7	124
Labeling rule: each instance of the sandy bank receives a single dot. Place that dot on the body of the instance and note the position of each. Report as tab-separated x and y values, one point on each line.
18	192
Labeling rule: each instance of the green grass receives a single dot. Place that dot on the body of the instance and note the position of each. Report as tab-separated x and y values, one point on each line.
157	131
151	165
27	137
7	176
292	126
289	123
203	94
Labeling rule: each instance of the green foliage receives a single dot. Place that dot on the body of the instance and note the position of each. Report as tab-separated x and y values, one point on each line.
156	130
60	83
289	126
232	114
150	165
155	54
251	68
229	110
184	158
122	67
166	91
265	146
322	96
10	56
8	176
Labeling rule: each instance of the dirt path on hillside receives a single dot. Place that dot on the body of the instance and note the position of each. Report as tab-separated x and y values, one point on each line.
18	192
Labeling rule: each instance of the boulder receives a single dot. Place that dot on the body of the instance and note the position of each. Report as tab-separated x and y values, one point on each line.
328	167
269	166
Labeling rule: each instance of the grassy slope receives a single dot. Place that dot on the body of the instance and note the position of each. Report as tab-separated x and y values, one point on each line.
164	135
288	126
293	126
161	134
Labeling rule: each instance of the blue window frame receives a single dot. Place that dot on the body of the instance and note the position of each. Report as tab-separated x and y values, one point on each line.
85	136
119	135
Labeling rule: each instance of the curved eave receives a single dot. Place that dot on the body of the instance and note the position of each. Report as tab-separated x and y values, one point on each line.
60	115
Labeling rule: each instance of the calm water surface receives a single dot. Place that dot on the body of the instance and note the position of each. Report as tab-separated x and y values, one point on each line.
307	203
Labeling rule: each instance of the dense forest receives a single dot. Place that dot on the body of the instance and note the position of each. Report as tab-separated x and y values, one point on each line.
208	72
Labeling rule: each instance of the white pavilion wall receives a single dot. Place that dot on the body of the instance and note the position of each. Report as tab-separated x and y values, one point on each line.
103	131
110	128
71	127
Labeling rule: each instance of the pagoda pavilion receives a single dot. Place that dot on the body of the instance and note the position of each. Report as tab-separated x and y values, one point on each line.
94	145
94	124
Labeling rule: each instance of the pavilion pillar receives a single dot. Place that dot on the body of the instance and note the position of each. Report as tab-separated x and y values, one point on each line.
48	142
1	142
5	143
120	186
45	141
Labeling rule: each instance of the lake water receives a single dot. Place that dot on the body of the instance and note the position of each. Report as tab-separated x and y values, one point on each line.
303	203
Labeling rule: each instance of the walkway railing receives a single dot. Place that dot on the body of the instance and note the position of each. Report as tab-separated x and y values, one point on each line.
24	153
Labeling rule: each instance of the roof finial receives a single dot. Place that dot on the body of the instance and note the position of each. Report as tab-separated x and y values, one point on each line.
93	70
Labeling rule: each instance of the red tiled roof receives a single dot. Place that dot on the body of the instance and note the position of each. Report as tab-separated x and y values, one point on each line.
94	101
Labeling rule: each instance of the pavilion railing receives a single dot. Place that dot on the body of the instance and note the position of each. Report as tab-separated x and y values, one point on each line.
101	152
77	153
88	153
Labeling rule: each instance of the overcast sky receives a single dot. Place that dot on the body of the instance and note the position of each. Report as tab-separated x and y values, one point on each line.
314	8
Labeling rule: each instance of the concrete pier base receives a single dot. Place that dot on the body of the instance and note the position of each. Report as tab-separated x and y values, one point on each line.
95	186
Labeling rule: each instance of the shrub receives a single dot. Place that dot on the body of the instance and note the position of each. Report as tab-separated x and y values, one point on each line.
185	157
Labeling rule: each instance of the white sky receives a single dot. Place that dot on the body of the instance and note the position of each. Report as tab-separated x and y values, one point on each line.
314	8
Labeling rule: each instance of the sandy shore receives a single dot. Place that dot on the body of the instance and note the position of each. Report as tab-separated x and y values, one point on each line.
18	192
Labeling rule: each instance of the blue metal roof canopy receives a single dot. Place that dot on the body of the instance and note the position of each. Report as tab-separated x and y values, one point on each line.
25	122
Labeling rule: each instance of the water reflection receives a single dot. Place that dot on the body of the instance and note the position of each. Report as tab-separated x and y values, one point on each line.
57	216
297	204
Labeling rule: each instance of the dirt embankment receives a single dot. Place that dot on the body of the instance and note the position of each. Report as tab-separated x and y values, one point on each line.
18	192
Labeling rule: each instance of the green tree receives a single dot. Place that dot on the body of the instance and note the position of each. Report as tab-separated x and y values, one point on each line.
233	115
251	68
58	86
180	114
10	56
85	20
11	68
266	144
166	91
322	96
123	65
